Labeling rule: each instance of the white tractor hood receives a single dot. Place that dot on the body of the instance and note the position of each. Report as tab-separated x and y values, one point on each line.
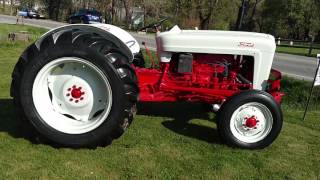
214	42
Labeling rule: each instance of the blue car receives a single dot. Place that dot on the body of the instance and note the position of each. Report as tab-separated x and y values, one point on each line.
85	16
30	13
23	12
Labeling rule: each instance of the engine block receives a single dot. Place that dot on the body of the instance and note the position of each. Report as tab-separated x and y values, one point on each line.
195	77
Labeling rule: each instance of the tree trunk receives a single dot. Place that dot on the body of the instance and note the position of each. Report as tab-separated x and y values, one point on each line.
260	25
57	9
50	9
317	38
306	33
112	11
144	14
84	4
11	7
205	16
241	14
177	11
127	6
204	23
251	21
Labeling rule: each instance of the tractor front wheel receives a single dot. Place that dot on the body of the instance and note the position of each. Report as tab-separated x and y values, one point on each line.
250	120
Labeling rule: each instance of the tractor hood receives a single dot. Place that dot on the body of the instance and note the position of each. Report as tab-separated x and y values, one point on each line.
215	42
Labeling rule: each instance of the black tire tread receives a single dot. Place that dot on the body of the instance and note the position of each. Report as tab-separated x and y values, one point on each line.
89	40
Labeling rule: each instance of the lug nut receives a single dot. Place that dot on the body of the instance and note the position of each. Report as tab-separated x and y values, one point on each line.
68	94
77	101
81	98
69	89
70	99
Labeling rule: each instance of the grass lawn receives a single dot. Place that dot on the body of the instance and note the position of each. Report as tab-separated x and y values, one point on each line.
297	51
165	141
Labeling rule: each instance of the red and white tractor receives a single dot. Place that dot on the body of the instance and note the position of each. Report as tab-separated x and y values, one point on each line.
78	85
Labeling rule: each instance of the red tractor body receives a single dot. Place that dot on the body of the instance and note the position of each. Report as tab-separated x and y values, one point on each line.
211	79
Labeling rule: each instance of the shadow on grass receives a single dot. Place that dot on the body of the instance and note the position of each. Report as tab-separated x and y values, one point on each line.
10	124
182	113
8	121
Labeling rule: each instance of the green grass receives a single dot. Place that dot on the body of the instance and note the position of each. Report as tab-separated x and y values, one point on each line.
297	51
5	29
165	141
297	93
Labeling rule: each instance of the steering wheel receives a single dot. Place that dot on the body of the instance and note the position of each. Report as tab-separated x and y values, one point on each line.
153	25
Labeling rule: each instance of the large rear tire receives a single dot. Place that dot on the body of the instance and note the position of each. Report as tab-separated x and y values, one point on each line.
251	120
75	88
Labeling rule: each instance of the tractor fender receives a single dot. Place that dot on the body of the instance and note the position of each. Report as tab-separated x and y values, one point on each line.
118	36
123	35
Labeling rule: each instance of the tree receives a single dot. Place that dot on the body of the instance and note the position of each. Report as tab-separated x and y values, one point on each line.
205	11
27	3
273	21
251	20
246	19
11	7
295	19
127	4
57	9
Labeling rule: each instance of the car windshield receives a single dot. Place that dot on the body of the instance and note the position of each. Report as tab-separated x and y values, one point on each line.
95	13
33	10
91	12
82	11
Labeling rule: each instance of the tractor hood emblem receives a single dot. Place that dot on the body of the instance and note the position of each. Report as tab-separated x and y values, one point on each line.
246	44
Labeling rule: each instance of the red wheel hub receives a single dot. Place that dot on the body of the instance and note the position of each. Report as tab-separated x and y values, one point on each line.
75	93
251	122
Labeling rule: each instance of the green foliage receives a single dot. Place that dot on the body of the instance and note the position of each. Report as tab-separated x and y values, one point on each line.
297	93
294	19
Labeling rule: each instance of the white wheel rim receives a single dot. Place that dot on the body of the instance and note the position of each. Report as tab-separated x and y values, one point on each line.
251	122
72	95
